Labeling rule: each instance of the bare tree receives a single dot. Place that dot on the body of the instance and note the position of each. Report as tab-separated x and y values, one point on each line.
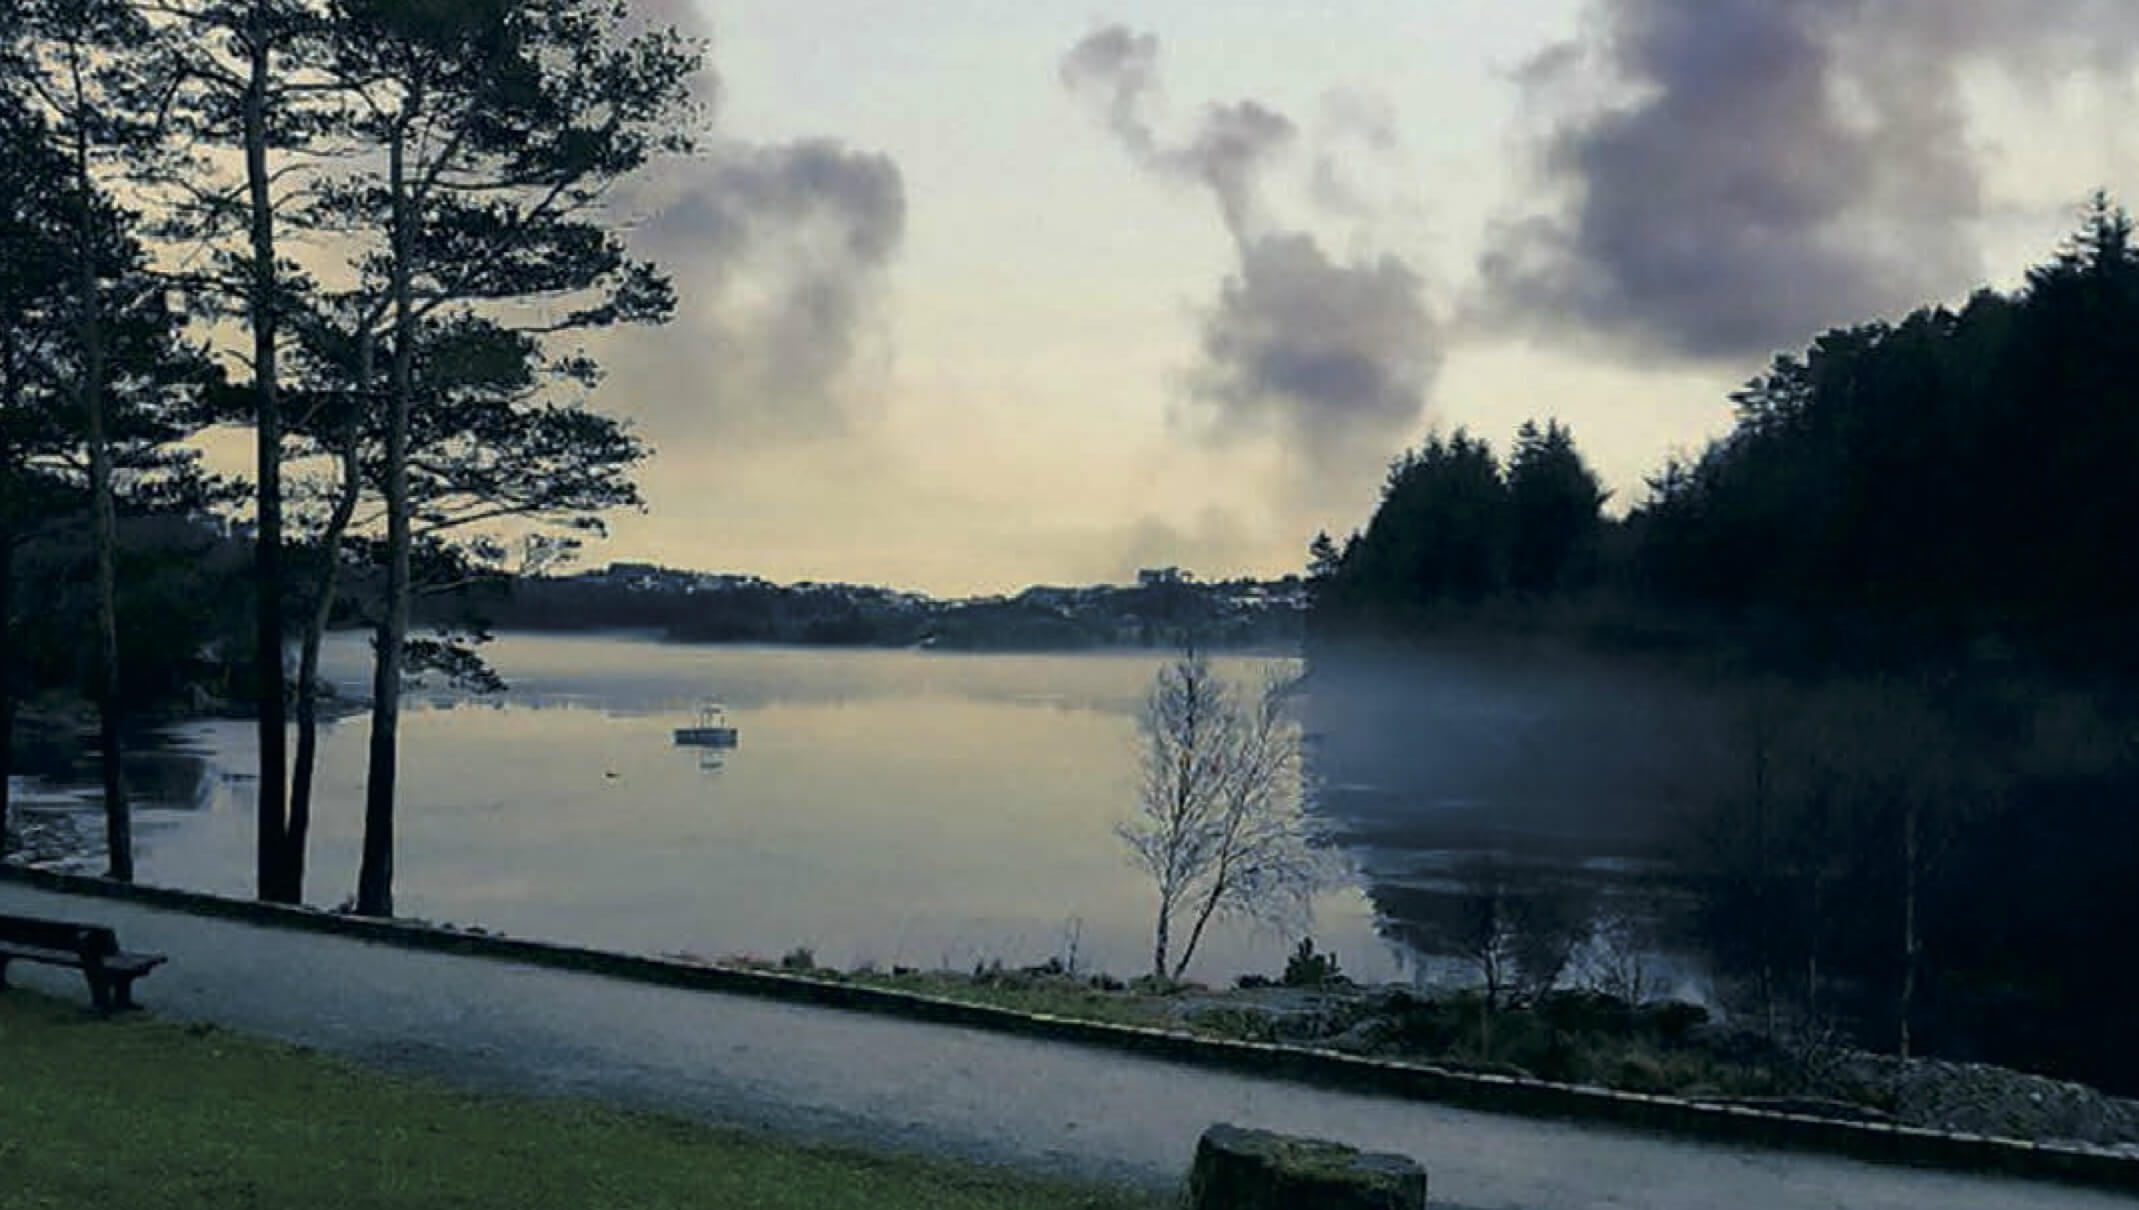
1219	825
1614	960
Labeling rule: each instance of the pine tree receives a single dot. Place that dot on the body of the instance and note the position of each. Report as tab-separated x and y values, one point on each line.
1553	503
501	124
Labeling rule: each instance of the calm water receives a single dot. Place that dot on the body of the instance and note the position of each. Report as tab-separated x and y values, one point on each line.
893	807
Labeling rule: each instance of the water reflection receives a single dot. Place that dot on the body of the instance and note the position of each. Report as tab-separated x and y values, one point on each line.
58	766
888	806
1557	778
921	808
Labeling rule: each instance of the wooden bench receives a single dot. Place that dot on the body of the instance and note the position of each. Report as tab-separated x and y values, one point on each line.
90	948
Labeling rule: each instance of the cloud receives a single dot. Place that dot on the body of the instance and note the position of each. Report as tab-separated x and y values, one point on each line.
1337	354
1229	149
1724	178
1121	68
1228	154
1335	357
779	253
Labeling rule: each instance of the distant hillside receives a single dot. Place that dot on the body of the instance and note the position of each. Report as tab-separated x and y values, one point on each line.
1164	607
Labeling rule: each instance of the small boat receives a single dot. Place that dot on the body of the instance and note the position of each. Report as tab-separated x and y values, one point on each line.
711	731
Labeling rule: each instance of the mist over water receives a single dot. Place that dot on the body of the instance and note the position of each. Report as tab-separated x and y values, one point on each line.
1542	750
1563	769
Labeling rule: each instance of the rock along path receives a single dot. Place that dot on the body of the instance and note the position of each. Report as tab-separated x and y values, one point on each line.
829	1075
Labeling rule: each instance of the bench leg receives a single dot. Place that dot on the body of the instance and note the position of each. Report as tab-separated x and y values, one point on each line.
122	993
99	991
3	973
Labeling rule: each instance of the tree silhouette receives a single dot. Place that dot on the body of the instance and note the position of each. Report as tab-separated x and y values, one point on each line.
1553	503
1439	534
34	283
501	124
1454	530
113	363
1908	487
253	77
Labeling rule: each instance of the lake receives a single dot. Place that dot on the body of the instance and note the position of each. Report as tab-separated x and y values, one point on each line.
895	807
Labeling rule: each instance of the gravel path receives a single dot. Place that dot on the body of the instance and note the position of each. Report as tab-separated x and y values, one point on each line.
829	1075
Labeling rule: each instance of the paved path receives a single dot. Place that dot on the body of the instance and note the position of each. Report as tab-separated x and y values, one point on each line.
882	1082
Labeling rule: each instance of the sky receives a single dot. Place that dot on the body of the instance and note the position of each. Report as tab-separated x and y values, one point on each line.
975	296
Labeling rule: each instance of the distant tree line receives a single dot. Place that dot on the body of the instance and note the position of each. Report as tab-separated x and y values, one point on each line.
1912	556
1157	614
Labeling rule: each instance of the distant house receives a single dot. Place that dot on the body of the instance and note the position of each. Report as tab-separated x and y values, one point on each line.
1151	577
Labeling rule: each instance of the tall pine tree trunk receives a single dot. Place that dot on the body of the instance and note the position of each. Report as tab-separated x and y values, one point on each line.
118	820
10	400
315	632
275	881
1818	931
1763	883
375	879
1911	943
7	668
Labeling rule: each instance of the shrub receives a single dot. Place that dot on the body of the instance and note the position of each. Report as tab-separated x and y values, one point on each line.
1638	1072
1306	968
1674	1020
1585	1012
1529	1043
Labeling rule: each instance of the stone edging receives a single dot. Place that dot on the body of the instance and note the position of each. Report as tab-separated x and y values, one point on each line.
1876	1142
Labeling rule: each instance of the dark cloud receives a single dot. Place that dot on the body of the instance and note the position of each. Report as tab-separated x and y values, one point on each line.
1728	177
1334	356
1338	355
2044	41
1228	153
779	252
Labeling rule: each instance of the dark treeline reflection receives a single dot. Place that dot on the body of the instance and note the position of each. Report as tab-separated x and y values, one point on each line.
1860	673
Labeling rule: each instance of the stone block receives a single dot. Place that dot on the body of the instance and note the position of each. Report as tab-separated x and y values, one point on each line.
1242	1169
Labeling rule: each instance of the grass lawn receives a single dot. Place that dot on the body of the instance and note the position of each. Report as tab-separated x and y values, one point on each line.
1057	996
138	1113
